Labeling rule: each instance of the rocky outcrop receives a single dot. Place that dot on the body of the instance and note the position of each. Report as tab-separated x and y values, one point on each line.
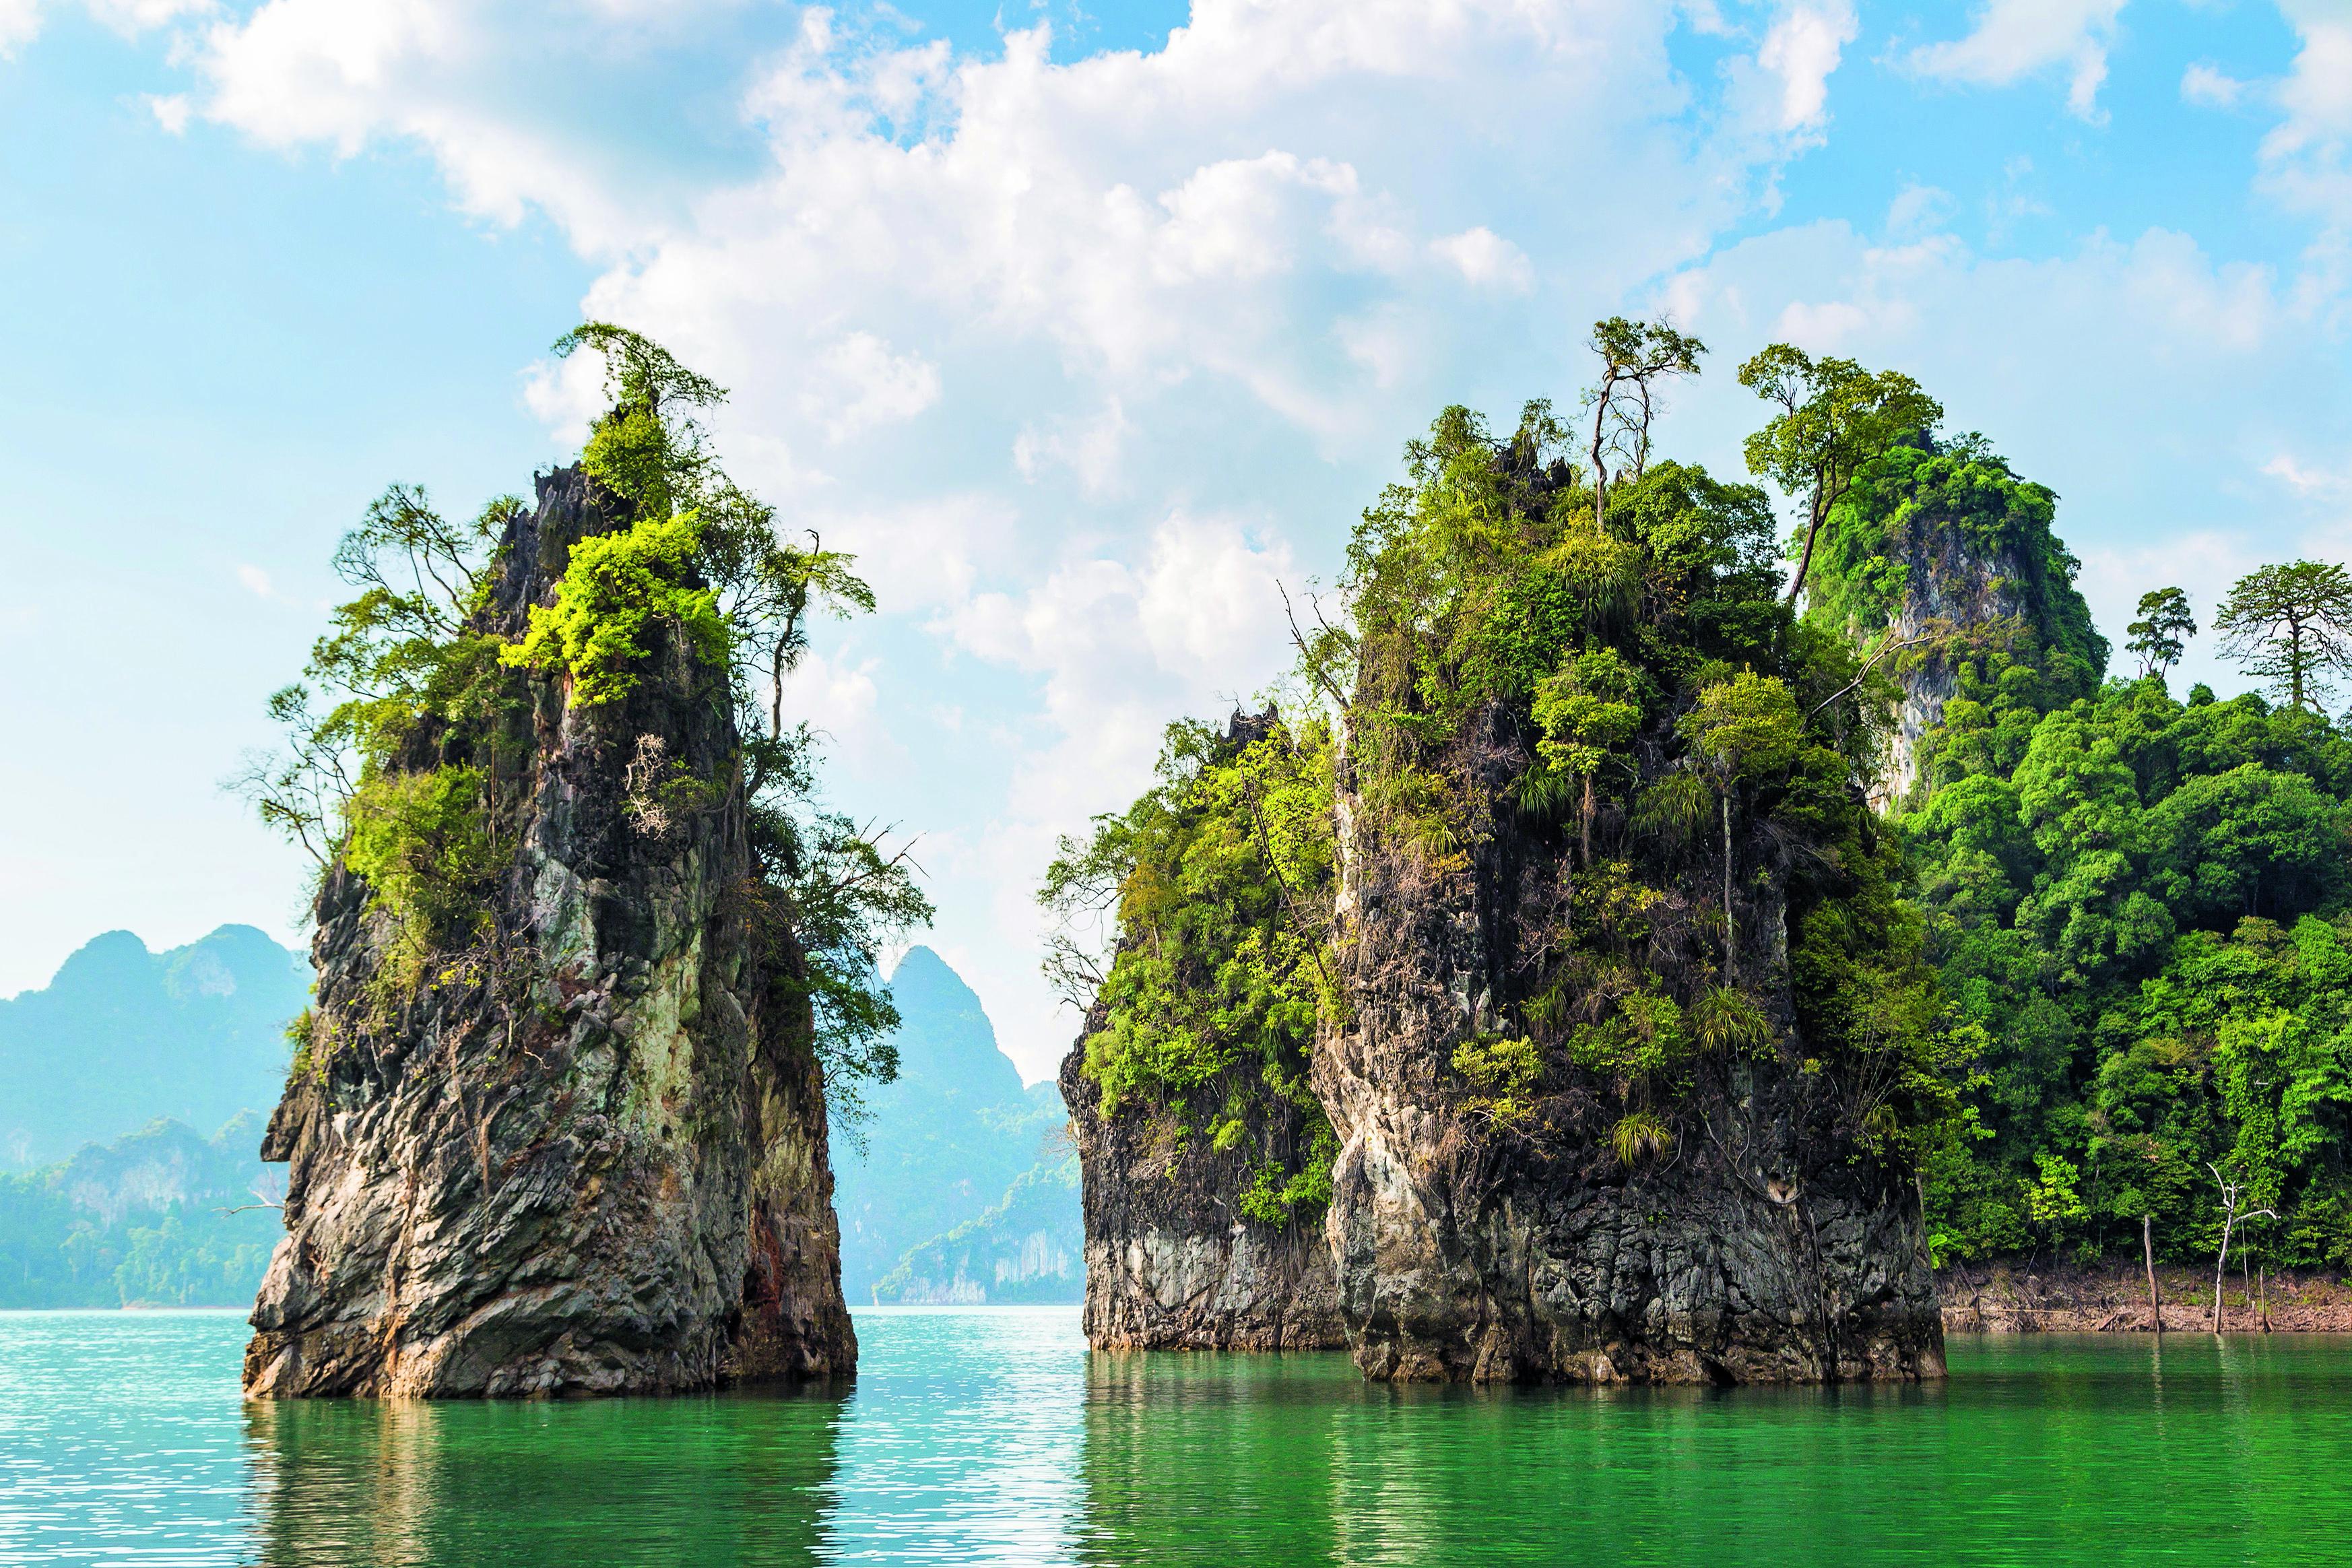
1944	557
584	1152
1029	1248
1957	602
1764	1245
1173	1263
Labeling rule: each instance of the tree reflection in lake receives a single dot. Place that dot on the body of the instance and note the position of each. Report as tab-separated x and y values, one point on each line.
739	1481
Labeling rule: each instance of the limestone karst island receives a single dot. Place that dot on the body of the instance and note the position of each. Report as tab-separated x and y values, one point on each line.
1197	783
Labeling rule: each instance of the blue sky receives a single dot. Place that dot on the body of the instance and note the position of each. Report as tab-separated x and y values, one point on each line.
1082	333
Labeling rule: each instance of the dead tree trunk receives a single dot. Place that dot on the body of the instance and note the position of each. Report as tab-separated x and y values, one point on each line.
2147	1250
2230	1218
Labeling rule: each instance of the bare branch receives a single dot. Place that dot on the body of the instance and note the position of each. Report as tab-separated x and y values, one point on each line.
1867	665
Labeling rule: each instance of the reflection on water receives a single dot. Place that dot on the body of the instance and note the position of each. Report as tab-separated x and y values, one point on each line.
992	1437
702	1480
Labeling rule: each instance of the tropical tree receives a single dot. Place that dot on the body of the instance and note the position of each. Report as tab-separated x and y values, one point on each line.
1747	728
1636	358
1590	706
1834	417
2160	635
2291	626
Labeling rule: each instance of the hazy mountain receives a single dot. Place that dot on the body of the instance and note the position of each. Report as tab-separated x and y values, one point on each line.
161	1217
1029	1247
122	1035
948	1141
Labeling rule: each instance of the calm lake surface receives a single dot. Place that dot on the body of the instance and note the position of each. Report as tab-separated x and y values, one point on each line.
992	1436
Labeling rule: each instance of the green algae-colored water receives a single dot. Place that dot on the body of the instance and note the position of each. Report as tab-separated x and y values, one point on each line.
990	1435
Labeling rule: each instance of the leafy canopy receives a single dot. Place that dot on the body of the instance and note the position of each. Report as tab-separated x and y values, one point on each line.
2161	634
1834	417
2291	627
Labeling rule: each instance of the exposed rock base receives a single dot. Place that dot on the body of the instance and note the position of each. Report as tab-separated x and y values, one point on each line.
1171	1262
1764	1247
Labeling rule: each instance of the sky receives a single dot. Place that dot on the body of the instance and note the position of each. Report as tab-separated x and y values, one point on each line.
1085	327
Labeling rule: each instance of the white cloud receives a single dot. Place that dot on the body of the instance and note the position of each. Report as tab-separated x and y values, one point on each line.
862	385
1486	260
839	697
133	18
257	581
2078	368
920	556
2210	87
2308	481
1118	649
20	20
2306	159
1080	354
1918	209
20	24
170	112
2014	40
1802	48
1090	448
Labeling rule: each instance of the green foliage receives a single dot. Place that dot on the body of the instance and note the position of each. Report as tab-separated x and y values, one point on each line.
1504	1071
1586	708
1214	873
1650	662
1212	892
1748	727
616	588
1636	359
2161	634
2291	626
1835	418
406	778
421	840
158	1218
1277	1195
648	448
1637	1136
2148	920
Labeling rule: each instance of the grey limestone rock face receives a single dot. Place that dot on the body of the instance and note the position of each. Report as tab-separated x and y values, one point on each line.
589	1154
1766	1247
1171	1261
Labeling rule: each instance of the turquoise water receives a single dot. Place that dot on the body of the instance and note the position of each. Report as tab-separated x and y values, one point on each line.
990	1435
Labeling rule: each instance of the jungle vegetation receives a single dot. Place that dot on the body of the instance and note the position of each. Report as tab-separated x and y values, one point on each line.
406	733
1689	750
2090	968
2138	903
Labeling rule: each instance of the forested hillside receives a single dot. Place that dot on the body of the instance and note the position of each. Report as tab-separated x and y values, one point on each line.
2147	916
2138	903
161	1217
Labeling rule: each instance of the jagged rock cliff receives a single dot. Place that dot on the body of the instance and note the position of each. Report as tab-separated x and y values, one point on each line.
1630	1039
585	1151
1173	1263
1763	1246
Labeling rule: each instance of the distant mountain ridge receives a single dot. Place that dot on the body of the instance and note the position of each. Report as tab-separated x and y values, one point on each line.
953	1148
122	1035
